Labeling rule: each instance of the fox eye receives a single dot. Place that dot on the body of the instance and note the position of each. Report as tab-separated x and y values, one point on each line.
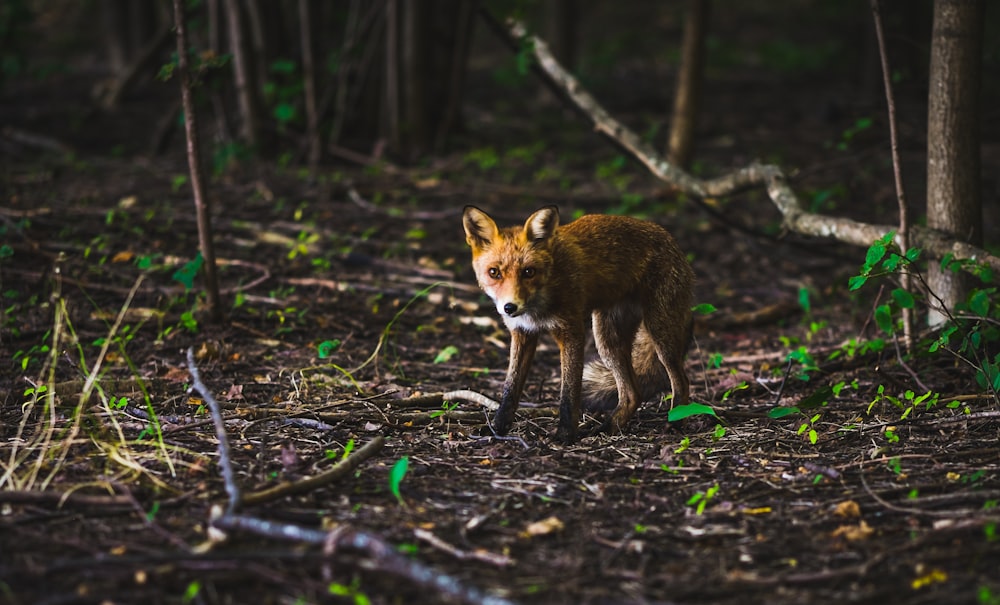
528	272
494	272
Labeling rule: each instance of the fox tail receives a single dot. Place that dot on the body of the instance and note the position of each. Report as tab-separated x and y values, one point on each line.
600	392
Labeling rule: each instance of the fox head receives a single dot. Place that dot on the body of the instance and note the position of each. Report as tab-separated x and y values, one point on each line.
514	264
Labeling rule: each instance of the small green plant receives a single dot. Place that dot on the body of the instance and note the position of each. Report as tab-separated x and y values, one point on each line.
350	591
396	475
700	499
445	354
191	592
485	158
446	407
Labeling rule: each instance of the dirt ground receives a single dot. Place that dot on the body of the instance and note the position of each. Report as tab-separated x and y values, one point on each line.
108	499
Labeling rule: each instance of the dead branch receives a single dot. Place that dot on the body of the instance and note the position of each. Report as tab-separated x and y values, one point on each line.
342	469
794	216
382	555
903	236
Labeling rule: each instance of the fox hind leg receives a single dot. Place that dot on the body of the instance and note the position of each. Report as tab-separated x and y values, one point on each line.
614	334
671	346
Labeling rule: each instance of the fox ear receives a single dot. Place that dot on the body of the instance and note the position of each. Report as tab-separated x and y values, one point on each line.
480	229
542	224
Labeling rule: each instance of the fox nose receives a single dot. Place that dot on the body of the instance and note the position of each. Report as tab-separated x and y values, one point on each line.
510	308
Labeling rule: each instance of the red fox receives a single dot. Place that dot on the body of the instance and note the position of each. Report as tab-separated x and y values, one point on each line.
628	275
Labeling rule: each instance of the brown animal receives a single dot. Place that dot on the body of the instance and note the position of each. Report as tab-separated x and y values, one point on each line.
627	275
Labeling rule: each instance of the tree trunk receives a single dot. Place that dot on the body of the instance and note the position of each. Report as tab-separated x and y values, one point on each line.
412	74
560	22
953	123
201	203
680	149
243	75
309	85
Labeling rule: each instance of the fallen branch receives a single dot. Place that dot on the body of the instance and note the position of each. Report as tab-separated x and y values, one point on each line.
382	555
342	469
794	216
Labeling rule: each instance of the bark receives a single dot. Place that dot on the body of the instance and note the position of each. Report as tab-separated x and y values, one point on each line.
463	26
953	122
687	97
201	203
794	216
561	19
413	67
392	94
243	76
309	84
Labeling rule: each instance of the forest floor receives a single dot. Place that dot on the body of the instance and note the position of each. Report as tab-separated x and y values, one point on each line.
868	494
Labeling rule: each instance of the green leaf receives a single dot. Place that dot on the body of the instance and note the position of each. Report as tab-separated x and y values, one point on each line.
348	448
856	282
189	271
783	410
283	66
875	254
692	409
284	112
396	477
446	354
327	347
893	263
903	298
883	317
804	299
979	303
913	254
703	309
816	398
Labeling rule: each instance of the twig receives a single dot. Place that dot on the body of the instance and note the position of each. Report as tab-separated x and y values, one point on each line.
906	509
343	468
906	366
384	556
477	555
903	235
225	462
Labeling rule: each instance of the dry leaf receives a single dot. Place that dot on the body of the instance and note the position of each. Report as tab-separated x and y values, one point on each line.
853	533
848	509
543	527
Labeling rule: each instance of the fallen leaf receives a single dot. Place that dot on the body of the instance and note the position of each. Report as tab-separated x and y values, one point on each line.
932	577
853	533
543	527
761	510
235	392
176	374
848	509
123	257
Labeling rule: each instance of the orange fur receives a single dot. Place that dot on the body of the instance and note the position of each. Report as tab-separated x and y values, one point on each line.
626	275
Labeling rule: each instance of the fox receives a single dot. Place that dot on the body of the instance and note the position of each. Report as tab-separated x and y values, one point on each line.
627	276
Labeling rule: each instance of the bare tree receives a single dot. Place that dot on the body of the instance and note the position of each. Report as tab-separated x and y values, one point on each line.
243	75
204	216
953	123
309	84
687	97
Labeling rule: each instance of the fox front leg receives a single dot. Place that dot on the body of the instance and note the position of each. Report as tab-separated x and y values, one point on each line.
522	351
571	343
